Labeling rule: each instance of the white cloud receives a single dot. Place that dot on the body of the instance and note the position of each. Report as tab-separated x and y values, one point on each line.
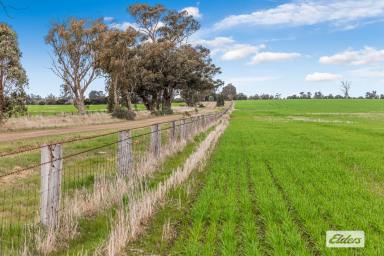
368	55
321	77
108	19
340	13
240	51
193	11
339	58
274	56
229	48
124	25
216	42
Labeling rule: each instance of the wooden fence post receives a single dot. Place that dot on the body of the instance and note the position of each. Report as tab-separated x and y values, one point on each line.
204	122
51	166
172	135
124	153
182	129
187	127
155	140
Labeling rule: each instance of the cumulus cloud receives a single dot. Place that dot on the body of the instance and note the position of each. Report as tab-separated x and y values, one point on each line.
321	77
274	56
339	13
229	48
366	56
193	11
240	51
216	42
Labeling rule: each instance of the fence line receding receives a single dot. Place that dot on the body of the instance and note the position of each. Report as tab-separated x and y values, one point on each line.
35	183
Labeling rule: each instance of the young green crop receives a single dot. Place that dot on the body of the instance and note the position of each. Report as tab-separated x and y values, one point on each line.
283	174
57	109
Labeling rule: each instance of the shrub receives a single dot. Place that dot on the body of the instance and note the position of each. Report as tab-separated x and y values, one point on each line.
123	113
220	100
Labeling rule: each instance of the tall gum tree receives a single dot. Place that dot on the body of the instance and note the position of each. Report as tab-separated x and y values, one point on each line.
115	59
75	45
163	32
13	78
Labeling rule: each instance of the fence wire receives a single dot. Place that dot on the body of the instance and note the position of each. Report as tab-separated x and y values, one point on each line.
74	168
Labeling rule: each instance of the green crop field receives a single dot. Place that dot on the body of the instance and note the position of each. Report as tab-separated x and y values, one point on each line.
56	109
283	174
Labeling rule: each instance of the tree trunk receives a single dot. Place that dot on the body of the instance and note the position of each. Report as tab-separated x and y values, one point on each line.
128	100
2	98
116	104
79	103
111	104
155	102
167	102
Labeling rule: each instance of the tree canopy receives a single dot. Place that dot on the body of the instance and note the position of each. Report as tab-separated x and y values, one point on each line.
75	45
154	62
13	78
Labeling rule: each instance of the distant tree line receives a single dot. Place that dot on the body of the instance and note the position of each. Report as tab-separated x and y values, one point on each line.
94	98
307	95
229	93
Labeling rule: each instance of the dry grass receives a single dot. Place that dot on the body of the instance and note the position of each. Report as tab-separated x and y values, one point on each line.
133	216
61	121
41	122
107	191
168	231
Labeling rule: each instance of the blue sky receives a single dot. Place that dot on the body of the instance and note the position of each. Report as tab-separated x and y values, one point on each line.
263	46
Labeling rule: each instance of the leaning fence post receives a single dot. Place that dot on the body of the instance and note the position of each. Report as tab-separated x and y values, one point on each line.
155	139
51	166
124	153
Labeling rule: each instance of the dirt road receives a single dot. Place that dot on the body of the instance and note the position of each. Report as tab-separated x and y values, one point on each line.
21	135
10	136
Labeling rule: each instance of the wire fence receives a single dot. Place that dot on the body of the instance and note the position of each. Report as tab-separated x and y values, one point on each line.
37	184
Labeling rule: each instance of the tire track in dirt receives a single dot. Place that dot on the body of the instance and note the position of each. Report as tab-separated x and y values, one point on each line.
305	235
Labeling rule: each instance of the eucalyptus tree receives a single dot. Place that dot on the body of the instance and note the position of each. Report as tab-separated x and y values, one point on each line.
75	46
13	78
163	33
199	74
229	92
115	59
